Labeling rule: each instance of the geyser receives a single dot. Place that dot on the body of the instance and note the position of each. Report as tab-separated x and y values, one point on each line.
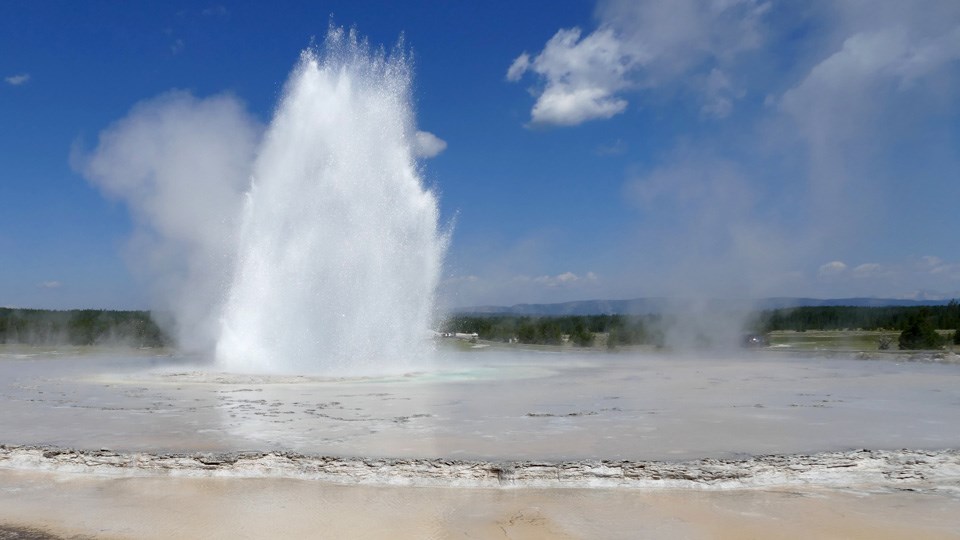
310	246
339	251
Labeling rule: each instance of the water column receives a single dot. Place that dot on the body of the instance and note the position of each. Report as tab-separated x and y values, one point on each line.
339	252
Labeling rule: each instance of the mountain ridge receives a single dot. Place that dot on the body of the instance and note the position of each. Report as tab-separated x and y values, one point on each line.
649	305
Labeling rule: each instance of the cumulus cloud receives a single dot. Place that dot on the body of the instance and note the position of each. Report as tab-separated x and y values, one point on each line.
17	80
582	77
557	280
894	279
181	165
428	145
832	268
641	46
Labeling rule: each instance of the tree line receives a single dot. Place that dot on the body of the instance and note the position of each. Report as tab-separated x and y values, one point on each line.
581	330
864	318
918	325
80	327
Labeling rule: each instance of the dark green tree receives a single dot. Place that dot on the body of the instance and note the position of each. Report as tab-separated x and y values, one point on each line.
919	333
582	335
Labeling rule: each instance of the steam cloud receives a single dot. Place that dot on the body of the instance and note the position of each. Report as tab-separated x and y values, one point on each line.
181	165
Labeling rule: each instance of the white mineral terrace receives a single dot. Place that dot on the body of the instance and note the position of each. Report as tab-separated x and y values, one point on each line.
933	471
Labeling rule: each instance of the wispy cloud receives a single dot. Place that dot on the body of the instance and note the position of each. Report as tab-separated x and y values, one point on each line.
49	284
215	11
17	80
762	196
616	148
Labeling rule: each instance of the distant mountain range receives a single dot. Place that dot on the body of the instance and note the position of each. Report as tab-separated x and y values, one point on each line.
644	306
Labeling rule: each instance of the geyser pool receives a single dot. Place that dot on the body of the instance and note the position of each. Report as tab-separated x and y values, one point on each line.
490	404
339	250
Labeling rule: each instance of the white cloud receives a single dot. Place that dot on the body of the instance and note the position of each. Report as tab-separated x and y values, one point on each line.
832	268
850	95
17	80
582	76
852	83
428	145
569	107
641	45
878	74
49	284
566	278
896	279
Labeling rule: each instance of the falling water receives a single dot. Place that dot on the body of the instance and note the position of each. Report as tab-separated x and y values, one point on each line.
339	251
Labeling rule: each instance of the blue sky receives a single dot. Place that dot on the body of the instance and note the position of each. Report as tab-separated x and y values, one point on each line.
614	149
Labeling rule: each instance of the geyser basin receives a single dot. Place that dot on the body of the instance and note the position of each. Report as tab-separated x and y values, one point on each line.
491	405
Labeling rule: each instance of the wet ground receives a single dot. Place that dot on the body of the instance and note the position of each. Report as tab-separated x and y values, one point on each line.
488	404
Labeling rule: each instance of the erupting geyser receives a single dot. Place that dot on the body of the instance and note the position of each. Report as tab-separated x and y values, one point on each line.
309	247
339	250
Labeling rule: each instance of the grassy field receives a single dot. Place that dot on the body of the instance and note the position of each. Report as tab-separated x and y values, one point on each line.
837	340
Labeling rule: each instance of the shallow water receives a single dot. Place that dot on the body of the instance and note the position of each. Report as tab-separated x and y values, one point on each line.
487	404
